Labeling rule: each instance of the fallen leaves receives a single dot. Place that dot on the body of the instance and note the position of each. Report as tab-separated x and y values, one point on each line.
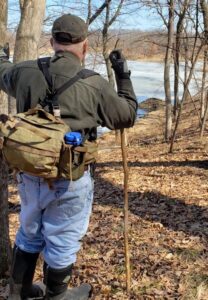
168	221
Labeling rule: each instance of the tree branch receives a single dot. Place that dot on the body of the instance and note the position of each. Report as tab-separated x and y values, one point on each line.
98	11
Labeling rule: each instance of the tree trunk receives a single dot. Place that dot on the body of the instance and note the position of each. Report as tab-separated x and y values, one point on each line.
3	103
3	36
28	35
168	126
12	105
203	91
179	30
204	103
4	223
4	232
205	117
204	7
176	77
29	30
109	20
105	37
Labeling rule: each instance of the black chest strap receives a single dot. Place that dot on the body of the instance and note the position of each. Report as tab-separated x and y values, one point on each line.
51	99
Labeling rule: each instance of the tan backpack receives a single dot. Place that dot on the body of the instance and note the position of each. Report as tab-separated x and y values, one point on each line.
34	140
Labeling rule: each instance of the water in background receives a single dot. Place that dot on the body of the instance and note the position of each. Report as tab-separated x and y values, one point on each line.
148	80
101	130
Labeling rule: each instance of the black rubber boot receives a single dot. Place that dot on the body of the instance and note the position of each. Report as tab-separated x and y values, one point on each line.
57	280
22	273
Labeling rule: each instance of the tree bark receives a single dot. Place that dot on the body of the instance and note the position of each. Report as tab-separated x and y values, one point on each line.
105	36
91	18
3	36
205	117
179	30
204	103
204	7
168	126
28	35
203	91
4	224
29	30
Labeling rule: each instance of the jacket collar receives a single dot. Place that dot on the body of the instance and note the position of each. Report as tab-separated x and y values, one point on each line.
67	55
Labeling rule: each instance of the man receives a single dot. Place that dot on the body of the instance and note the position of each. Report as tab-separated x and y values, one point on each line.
53	221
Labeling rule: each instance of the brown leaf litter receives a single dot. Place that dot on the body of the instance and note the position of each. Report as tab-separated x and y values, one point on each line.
168	217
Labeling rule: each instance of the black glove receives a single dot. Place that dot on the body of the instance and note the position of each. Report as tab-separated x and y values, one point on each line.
3	118
4	52
119	64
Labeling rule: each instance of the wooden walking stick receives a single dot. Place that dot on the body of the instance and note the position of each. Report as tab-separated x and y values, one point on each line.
126	210
120	68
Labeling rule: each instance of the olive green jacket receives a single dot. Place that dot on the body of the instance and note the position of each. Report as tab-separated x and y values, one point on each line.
88	103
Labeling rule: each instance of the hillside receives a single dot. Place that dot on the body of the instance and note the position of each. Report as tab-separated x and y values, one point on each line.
168	215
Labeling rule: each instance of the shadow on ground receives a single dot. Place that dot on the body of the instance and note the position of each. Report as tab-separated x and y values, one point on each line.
172	213
202	164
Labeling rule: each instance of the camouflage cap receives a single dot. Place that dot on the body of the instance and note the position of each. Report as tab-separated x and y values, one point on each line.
69	29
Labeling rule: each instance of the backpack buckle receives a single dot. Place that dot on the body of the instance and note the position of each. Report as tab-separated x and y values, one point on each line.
56	110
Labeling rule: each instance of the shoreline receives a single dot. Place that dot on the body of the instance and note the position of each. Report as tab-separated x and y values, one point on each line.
141	132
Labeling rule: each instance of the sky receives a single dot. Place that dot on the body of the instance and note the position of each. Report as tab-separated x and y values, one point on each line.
143	19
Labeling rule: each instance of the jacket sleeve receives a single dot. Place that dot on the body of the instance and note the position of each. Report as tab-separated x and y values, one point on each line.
8	77
118	110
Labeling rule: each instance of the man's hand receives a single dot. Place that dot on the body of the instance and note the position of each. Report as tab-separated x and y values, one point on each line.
3	118
4	52
119	64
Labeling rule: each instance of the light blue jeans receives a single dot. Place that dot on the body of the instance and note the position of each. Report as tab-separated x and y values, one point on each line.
53	221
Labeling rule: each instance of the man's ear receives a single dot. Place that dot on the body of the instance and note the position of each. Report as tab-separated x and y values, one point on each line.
85	47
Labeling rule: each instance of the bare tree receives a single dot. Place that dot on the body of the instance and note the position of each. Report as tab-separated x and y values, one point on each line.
4	223
187	47
162	7
168	58
4	232
204	7
177	51
203	90
204	94
193	53
92	17
109	20
3	35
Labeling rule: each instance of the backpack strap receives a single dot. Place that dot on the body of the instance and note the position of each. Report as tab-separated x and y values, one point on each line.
83	74
43	64
51	99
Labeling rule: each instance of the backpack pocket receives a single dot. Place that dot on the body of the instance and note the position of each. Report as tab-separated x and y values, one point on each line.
72	162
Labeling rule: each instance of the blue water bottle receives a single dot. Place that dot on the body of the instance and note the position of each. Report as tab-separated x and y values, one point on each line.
73	138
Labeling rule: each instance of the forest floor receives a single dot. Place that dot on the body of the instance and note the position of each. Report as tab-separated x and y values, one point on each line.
168	216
